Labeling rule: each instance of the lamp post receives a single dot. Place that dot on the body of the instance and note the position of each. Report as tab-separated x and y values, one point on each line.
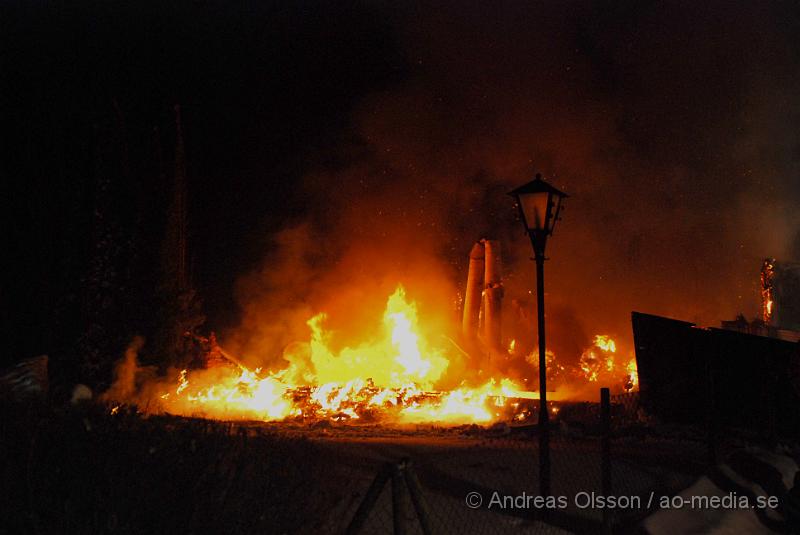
540	206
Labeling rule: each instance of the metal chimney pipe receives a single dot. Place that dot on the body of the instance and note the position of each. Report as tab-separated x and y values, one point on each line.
493	295
472	295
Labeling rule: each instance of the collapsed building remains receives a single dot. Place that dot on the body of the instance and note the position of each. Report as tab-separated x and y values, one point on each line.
780	298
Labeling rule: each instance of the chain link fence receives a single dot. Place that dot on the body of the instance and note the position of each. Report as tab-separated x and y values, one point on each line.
87	471
489	482
612	466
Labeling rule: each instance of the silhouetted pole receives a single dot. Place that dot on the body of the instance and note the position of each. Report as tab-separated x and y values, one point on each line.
539	207
544	413
605	453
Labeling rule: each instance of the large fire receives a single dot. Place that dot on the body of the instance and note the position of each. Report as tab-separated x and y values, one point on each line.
391	378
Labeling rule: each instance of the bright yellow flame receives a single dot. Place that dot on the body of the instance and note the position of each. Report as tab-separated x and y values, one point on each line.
222	394
183	383
393	373
605	343
601	363
633	374
398	357
465	405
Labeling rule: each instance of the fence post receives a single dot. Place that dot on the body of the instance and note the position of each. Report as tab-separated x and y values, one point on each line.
711	413
605	452
398	519
417	499
369	499
772	418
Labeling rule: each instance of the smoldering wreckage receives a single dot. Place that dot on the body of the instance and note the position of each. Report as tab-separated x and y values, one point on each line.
391	378
745	375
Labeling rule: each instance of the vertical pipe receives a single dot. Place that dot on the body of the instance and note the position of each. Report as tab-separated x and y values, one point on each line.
472	295
493	295
605	453
544	415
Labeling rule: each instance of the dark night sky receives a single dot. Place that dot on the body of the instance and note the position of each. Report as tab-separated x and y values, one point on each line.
261	86
672	125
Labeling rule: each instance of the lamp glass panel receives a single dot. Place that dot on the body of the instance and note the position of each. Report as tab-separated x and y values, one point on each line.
534	206
557	200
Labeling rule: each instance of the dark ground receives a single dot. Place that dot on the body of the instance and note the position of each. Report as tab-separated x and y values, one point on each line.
87	471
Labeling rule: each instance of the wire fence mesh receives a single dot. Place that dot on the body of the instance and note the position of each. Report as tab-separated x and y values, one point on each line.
605	478
490	482
89	472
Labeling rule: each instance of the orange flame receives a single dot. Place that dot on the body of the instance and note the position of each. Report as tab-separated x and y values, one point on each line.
601	363
392	375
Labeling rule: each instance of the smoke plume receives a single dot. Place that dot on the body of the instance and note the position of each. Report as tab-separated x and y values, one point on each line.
669	126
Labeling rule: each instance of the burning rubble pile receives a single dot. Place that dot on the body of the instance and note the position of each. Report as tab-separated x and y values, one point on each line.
398	374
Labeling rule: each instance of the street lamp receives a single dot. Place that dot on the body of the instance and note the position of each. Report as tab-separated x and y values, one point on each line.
540	206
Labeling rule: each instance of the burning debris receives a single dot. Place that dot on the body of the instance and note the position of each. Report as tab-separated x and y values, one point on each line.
779	315
780	290
767	298
391	378
396	375
601	364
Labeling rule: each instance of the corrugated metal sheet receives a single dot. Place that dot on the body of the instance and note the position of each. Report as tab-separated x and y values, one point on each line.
687	373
